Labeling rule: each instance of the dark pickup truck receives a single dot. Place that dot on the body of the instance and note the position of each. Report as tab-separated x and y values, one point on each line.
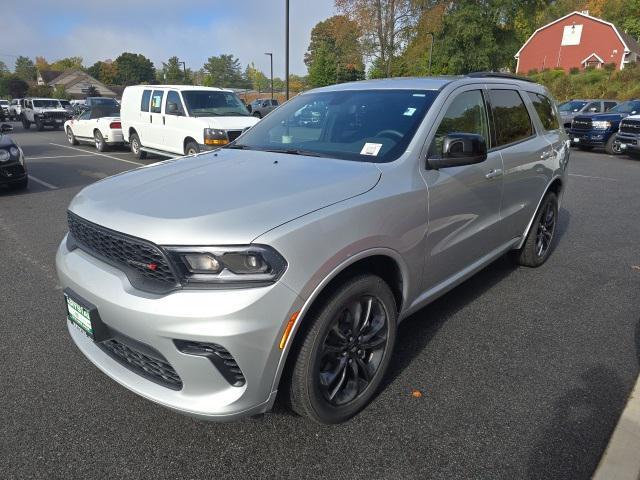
628	137
599	130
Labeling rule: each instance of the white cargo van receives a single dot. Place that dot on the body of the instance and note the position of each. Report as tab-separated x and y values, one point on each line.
175	120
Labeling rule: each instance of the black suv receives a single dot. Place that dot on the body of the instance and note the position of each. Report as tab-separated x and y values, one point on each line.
13	171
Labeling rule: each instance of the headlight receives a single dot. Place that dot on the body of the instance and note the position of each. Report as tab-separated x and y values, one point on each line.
4	155
245	266
601	125
214	136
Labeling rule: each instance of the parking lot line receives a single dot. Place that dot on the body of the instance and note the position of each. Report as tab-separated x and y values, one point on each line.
42	182
590	176
98	154
60	156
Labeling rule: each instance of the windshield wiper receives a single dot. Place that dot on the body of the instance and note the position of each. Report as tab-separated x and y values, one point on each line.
293	151
237	146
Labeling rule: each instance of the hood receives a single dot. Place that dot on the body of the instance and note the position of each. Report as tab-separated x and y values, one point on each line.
228	123
49	109
611	117
220	198
6	141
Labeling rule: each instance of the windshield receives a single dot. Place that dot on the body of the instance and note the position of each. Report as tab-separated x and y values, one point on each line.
361	125
572	106
626	107
102	101
64	103
204	103
4	102
46	104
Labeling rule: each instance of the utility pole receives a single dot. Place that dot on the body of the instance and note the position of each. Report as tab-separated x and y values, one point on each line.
271	57
184	68
286	62
433	38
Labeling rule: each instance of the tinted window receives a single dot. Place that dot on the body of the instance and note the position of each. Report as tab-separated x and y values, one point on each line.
546	112
359	125
46	104
146	100
593	107
572	106
174	97
609	105
631	107
156	101
510	117
466	114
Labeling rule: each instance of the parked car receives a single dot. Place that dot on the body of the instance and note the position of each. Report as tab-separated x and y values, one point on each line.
99	125
262	106
42	112
569	110
66	104
628	136
282	263
599	130
13	170
15	108
4	109
181	120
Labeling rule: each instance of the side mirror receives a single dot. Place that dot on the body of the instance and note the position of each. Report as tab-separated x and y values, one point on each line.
5	127
460	149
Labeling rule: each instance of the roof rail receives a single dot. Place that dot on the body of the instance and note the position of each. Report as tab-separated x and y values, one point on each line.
498	75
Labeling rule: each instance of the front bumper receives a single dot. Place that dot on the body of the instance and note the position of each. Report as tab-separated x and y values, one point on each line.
50	121
628	142
114	137
12	173
247	322
590	138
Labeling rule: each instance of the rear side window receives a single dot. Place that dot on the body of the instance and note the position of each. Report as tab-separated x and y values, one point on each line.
156	101
465	114
146	99
546	112
510	116
593	107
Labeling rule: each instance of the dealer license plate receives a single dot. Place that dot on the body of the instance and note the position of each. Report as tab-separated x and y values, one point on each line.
79	315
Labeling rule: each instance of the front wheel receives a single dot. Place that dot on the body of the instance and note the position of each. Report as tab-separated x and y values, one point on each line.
612	148
191	148
537	246
71	138
344	353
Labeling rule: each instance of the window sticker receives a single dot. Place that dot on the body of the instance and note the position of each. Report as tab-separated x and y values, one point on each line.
371	149
409	111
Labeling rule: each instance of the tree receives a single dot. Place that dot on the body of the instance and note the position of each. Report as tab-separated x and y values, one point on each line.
61	92
42	64
334	54
383	25
134	68
172	72
92	91
256	79
40	91
224	71
67	63
13	86
25	69
4	70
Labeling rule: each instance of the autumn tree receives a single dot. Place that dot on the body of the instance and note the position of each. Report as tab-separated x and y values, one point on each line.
67	63
42	63
334	54
257	80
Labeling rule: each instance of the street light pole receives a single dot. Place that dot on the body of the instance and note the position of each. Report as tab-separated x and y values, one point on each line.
271	57
184	67
286	61
433	38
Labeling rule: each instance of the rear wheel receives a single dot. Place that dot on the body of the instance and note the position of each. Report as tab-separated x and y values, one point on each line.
191	148
71	138
345	351
612	148
136	146
98	139
537	246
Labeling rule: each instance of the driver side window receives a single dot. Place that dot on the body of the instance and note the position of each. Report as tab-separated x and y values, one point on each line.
466	114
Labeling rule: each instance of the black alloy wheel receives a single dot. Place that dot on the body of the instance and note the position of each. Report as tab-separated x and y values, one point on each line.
537	246
546	229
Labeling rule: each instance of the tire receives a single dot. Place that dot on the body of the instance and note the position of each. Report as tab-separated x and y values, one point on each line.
25	123
39	126
134	141
191	148
257	115
99	142
348	392
537	246
21	185
611	148
71	138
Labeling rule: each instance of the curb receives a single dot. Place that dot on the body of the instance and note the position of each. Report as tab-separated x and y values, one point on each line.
621	459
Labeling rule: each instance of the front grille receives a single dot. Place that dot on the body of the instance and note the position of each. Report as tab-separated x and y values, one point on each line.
12	171
581	124
630	126
233	134
56	115
156	369
145	264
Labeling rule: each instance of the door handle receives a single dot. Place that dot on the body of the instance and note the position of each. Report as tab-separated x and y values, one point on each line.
150	118
493	173
163	120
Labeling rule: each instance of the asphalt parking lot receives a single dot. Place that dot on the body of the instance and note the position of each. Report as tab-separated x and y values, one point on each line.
523	372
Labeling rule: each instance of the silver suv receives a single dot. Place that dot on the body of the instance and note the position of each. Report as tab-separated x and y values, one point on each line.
284	262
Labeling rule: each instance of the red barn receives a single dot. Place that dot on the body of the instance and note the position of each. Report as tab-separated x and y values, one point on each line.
577	40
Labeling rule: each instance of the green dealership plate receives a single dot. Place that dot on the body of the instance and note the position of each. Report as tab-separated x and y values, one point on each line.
79	315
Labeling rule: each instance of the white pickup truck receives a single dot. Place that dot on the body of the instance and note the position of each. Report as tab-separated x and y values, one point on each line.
176	120
43	112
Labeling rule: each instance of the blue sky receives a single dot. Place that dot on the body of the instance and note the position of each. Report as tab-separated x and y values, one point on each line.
193	30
